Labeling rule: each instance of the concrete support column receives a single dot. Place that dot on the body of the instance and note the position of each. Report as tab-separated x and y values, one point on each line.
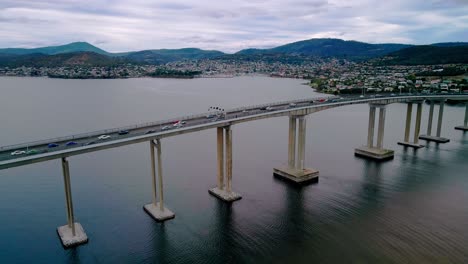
224	153
160	175
68	195
220	157
369	151
292	142
466	115
301	143
156	209
465	123
370	131
228	133
380	133
417	127
429	121
153	172
441	114
71	234
296	171
409	112
436	138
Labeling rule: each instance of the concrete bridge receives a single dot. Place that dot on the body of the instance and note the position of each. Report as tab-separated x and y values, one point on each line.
73	234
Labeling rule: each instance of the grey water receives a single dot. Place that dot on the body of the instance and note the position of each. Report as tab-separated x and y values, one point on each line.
412	209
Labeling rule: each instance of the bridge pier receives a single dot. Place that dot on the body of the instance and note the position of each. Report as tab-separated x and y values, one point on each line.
222	191
465	124
156	209
369	151
436	138
71	234
417	128
296	171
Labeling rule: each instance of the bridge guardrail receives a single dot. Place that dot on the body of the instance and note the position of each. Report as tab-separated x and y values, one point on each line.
148	124
170	120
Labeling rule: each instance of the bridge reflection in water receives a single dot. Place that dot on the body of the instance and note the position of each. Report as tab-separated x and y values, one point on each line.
73	234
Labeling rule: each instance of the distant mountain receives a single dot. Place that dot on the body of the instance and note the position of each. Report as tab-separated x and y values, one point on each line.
64	59
52	50
450	44
427	55
78	53
162	56
331	48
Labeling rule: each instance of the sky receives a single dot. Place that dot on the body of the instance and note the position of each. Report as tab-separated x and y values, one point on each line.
229	26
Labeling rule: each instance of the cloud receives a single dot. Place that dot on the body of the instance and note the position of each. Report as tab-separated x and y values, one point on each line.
124	25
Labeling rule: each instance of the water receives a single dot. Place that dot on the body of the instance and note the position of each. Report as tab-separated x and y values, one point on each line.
412	209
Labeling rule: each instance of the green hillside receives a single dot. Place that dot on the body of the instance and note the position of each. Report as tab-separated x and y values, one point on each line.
427	55
52	50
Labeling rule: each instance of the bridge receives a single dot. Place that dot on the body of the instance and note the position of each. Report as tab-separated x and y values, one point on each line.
73	234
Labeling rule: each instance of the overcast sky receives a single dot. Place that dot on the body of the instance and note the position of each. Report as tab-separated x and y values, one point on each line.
126	25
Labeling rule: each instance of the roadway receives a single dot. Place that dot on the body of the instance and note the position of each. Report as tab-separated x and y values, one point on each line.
40	151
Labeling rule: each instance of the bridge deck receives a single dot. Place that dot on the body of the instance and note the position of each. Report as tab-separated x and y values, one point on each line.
89	142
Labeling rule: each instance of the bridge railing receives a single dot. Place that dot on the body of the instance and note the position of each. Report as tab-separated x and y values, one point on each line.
188	117
143	125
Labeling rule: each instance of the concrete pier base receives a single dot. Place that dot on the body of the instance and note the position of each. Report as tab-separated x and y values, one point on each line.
155	212
70	240
409	144
434	138
295	175
463	128
224	195
374	153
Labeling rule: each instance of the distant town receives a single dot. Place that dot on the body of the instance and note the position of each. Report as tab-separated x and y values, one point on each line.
326	75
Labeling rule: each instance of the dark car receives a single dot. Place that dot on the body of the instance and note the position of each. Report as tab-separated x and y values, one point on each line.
150	131
71	143
90	143
123	132
52	145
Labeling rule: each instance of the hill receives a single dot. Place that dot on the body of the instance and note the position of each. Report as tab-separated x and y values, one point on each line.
52	50
162	56
57	60
427	55
331	48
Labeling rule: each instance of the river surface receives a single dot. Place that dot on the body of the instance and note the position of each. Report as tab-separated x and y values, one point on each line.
413	209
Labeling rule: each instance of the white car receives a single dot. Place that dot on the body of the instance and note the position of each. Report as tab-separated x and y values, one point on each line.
165	128
292	105
102	137
269	108
18	152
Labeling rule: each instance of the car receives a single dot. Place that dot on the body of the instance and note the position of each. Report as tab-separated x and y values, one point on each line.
18	152
378	95
361	96
123	132
165	127
245	111
209	116
71	143
392	94
32	152
52	145
150	131
102	137
183	122
269	108
292	105
322	100
90	143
